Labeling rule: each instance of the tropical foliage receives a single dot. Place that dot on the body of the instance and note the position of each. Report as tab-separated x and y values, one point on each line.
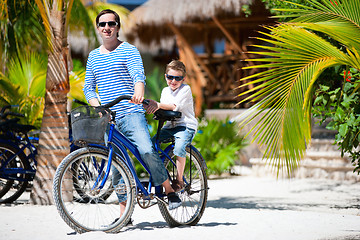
341	104
155	83
24	85
296	53
220	143
21	30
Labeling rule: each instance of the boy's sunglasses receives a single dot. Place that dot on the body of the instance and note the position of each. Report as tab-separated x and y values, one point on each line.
177	78
111	24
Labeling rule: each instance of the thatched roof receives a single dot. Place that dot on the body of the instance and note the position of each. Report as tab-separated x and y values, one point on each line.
149	23
158	12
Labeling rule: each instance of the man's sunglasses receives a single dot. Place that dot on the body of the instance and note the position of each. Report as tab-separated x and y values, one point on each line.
111	24
177	78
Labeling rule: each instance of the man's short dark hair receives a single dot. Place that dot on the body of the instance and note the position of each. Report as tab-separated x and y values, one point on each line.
117	18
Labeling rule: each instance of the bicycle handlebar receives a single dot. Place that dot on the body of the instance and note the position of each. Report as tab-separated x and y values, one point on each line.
120	98
160	113
80	102
3	115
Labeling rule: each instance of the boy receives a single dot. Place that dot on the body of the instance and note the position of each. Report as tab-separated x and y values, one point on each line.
177	97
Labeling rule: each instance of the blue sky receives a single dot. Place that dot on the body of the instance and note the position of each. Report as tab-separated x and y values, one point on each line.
132	2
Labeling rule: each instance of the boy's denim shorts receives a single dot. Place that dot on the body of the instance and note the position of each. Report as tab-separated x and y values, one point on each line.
183	137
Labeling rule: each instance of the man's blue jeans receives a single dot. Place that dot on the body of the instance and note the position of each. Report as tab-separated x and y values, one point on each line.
134	127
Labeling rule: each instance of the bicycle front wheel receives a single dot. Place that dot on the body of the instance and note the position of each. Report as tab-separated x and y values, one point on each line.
12	185
81	202
194	195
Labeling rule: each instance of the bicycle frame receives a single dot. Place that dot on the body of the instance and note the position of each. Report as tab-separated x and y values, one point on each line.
11	173
122	143
117	139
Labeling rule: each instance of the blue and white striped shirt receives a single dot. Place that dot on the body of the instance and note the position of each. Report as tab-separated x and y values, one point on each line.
114	74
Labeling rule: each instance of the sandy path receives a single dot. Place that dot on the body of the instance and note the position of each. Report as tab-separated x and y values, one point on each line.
242	207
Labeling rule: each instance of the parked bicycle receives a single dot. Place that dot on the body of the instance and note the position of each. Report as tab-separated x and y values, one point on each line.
17	156
92	205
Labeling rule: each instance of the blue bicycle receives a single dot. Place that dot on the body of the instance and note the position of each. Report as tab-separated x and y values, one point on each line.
17	156
84	192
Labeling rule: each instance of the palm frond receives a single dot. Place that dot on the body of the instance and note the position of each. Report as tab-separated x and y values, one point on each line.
295	58
45	16
29	72
77	80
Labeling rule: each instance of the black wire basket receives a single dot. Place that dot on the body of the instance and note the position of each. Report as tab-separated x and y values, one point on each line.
89	124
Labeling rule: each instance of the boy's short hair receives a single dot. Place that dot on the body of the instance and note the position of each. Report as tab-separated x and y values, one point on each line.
176	65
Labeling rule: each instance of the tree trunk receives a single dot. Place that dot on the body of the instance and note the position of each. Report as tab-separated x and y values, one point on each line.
54	137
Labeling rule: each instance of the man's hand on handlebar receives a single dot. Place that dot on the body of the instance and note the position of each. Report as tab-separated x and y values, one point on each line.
139	90
137	99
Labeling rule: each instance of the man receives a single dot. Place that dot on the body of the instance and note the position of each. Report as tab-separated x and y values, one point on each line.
116	68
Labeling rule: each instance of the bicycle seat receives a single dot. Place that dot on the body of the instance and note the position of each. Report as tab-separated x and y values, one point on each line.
166	115
23	128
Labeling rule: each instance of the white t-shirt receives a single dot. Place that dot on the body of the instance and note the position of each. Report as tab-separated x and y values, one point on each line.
183	100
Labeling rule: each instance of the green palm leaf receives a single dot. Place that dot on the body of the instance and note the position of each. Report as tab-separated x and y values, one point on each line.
28	72
77	80
24	85
295	58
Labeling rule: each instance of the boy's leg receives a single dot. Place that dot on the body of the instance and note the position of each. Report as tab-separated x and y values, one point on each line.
183	138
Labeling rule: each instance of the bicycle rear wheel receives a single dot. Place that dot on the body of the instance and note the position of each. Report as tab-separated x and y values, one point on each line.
79	200
11	189
194	196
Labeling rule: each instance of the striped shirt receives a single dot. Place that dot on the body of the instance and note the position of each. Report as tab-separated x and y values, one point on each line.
114	74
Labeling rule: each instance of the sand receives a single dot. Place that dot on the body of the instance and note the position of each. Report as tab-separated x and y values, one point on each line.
239	207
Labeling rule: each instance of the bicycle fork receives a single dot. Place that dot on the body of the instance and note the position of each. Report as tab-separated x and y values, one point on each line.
102	176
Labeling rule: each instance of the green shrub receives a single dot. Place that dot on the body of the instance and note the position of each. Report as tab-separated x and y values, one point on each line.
340	104
219	144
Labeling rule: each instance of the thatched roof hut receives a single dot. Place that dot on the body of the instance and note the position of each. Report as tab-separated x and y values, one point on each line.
213	76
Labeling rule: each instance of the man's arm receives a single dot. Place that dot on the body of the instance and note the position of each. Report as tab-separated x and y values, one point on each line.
139	90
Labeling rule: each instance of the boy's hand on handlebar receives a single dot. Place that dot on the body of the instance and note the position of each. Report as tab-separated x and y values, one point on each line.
152	107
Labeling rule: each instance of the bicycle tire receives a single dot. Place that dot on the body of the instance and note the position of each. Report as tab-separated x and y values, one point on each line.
11	190
193	197
95	213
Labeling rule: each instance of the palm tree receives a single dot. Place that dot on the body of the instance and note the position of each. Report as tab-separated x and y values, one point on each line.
54	134
296	53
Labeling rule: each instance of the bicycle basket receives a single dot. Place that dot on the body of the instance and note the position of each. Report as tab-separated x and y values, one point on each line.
89	125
